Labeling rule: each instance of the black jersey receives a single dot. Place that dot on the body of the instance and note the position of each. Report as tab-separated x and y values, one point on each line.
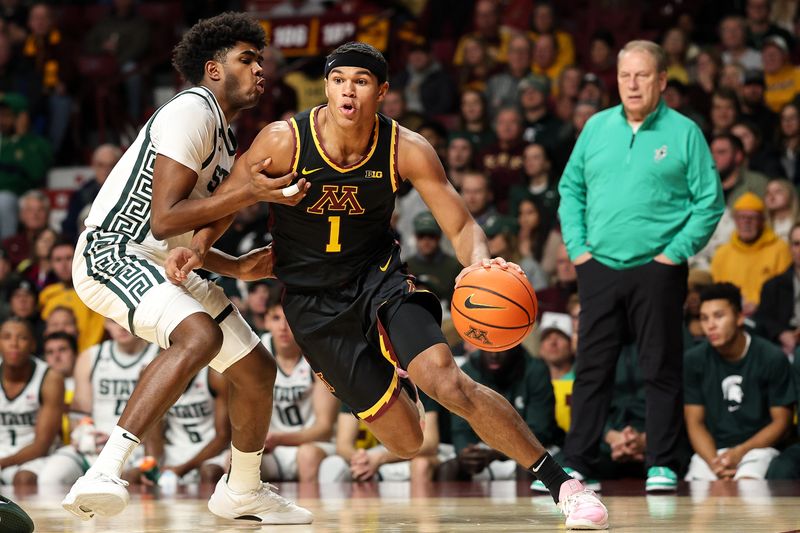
343	223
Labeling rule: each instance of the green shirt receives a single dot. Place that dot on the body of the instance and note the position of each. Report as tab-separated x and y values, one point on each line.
24	162
628	197
531	394
737	395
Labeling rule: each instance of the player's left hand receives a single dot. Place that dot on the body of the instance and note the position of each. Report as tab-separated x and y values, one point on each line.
256	264
487	264
180	262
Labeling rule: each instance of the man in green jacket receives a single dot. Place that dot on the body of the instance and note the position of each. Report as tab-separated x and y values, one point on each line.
640	194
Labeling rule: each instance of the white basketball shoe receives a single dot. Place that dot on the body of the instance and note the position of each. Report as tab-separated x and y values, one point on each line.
96	493
262	505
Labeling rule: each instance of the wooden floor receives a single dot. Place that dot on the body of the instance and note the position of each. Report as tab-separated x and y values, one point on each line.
749	506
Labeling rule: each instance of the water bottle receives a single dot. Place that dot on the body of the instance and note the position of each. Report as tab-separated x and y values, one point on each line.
168	481
149	468
87	443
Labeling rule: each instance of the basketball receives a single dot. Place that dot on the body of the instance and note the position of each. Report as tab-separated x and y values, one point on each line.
494	309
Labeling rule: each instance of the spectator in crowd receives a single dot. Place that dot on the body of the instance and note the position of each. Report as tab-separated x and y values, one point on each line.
477	196
60	351
569	82
538	182
460	158
781	77
15	75
8	279
503	87
303	410
436	134
753	255
62	294
728	153
124	35
724	110
255	305
787	150
425	84
14	17
538	239
592	89
555	349
545	57
486	24
759	26
502	233
584	110
640	282
539	125
525	382
61	320
104	158
478	65
38	402
602	62
732	77
34	211
752	103
556	297
697	281
503	160
778	316
733	38
36	268
544	22
783	206
757	156
675	47
279	98
734	434
676	97
49	55
24	160
474	121
23	305
703	78
394	107
439	268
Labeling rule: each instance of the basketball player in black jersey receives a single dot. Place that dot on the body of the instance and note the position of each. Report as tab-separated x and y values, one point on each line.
352	306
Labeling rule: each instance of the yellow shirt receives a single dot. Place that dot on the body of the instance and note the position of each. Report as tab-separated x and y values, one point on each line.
498	51
90	325
562	390
781	87
748	266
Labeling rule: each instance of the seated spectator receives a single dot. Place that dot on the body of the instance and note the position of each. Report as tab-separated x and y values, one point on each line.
8	279
539	125
486	24
36	268
61	320
24	161
569	83
734	434
603	61
582	112
478	65
676	97
474	121
436	134
303	410
781	77
62	294
555	349
544	22
752	106
394	107
760	26
545	57
34	210
23	305
502	231
31	406
732	77
104	158
696	282
538	182
675	45
537	237
728	153
703	76
753	255
556	297
724	110
787	150
783	206
460	158
503	160
525	382
503	88
757	156
439	268
477	196
425	84
733	37
60	353
592	89
778	316
254	306
124	34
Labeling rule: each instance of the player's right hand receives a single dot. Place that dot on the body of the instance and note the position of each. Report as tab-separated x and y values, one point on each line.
266	189
180	262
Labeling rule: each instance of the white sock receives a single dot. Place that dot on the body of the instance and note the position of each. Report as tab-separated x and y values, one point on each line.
245	472
115	453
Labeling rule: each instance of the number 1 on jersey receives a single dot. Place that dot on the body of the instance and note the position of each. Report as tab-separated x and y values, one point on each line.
333	240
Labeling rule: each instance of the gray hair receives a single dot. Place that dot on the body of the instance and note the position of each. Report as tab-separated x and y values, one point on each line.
35	194
655	51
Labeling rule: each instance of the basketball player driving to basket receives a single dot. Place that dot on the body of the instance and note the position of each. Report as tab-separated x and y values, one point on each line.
366	331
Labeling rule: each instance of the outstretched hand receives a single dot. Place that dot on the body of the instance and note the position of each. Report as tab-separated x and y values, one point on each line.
180	262
276	190
487	264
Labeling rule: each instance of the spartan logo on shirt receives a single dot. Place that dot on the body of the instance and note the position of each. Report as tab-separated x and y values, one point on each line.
732	392
660	153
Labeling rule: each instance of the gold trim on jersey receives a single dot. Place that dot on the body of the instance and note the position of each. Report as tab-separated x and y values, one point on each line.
393	158
327	159
381	403
296	157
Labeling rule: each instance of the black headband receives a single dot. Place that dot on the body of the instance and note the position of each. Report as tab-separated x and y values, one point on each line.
356	59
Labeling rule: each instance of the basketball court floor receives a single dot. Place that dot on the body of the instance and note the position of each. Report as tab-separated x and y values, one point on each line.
747	506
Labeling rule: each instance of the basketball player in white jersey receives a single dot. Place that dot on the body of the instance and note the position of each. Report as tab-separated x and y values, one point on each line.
303	410
197	432
105	376
156	195
31	403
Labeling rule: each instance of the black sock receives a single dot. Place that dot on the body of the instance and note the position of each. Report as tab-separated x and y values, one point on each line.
549	472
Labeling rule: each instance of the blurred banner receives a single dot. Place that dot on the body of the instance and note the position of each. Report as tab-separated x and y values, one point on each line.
310	36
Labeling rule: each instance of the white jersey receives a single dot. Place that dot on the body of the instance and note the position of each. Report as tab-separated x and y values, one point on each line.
190	129
292	408
114	375
190	422
18	415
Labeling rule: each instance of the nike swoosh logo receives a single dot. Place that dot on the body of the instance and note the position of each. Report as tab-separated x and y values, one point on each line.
384	267
130	438
469	304
307	172
331	63
541	462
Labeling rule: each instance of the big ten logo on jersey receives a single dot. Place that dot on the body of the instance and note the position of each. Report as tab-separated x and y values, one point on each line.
219	175
336	198
374	174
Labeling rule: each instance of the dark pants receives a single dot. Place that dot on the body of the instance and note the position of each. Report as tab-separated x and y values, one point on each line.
645	302
786	465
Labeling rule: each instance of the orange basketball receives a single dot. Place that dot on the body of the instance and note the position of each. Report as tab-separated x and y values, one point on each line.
494	309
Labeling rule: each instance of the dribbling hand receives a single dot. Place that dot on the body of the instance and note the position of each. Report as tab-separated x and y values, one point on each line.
266	189
180	262
487	263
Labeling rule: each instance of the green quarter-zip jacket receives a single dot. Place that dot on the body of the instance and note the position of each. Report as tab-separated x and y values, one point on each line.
627	197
